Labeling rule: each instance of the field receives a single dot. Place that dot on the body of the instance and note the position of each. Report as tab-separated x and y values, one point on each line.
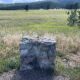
15	24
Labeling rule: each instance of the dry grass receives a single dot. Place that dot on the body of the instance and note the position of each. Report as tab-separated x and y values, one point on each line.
13	24
11	40
68	44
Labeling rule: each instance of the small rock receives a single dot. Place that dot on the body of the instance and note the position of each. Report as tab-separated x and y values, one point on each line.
61	78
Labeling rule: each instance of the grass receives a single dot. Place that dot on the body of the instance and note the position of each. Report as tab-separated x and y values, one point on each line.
41	20
14	24
73	73
9	64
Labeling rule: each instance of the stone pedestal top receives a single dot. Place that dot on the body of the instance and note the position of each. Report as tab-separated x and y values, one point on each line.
43	40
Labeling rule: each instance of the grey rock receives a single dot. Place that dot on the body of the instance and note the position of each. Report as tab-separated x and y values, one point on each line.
61	78
37	53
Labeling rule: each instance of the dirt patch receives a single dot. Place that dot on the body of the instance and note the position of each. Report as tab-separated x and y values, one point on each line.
7	75
29	75
72	61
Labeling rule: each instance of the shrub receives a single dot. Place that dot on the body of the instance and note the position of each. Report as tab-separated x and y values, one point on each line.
9	64
74	16
72	19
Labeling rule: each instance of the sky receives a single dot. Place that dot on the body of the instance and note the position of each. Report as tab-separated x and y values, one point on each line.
16	1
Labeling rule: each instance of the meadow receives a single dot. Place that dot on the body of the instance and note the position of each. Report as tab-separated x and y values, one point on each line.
15	24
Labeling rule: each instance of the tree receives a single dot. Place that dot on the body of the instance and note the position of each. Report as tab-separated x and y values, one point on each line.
73	17
69	6
75	6
72	6
26	7
48	6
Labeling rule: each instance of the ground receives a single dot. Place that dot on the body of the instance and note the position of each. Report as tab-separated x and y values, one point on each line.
15	24
11	76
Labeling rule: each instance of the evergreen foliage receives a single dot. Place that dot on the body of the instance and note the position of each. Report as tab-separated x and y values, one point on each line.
38	5
74	16
72	19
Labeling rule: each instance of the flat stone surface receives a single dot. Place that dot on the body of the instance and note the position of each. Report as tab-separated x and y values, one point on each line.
40	39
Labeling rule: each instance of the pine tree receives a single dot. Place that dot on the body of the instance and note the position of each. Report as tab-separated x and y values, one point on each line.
73	16
72	19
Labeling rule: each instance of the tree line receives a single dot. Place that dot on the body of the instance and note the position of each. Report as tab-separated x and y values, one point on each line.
37	5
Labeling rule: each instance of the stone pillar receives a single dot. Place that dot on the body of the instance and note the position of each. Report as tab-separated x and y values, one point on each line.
37	53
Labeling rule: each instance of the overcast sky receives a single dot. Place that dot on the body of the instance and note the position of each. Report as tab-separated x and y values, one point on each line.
16	1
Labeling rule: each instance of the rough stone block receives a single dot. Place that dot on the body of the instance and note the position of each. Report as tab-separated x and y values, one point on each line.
37	53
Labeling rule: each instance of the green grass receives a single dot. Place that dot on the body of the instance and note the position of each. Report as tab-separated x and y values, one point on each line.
73	73
13	24
42	20
9	64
